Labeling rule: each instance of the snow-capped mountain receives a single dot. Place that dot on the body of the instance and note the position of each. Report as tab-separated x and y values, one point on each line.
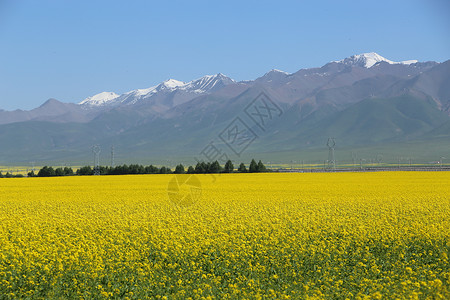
174	92
368	60
274	76
99	99
135	96
277	71
189	90
362	100
208	83
313	86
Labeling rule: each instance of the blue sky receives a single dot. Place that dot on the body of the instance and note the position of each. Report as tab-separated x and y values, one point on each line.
70	50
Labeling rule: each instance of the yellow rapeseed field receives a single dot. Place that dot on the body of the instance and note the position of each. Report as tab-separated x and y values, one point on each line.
237	236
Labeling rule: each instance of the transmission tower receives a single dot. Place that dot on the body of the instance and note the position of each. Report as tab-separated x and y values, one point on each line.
353	154
361	163
379	159
112	156
96	150
331	160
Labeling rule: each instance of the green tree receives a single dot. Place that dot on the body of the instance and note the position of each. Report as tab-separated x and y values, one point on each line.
46	172
104	170
179	169
191	170
125	169
253	168
214	167
229	168
59	172
87	170
201	168
261	167
135	169
165	170
151	170
68	171
242	168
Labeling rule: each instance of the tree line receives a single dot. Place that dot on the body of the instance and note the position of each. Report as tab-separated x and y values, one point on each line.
9	175
200	168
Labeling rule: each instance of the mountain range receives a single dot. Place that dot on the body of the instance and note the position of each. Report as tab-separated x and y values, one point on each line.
364	102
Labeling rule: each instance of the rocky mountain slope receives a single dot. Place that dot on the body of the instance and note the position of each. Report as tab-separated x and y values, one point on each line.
362	100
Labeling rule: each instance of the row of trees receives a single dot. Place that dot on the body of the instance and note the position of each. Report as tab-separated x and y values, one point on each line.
49	172
200	168
9	175
215	167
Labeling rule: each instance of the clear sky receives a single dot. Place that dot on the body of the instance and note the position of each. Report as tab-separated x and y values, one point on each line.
70	50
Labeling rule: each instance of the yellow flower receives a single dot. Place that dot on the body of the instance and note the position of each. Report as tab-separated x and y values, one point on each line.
327	235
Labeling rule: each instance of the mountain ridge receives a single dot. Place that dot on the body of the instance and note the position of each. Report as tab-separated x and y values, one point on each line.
394	102
368	60
205	84
111	99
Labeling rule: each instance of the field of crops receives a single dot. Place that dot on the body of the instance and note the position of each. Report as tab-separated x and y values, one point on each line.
258	236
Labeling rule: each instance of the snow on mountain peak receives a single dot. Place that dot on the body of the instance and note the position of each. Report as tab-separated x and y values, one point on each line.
217	77
223	76
100	99
409	62
205	84
368	60
172	83
276	71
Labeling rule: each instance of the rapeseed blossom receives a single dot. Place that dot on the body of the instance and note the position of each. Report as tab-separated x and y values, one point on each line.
248	236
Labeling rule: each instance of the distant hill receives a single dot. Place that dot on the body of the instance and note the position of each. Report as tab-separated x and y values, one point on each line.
362	101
